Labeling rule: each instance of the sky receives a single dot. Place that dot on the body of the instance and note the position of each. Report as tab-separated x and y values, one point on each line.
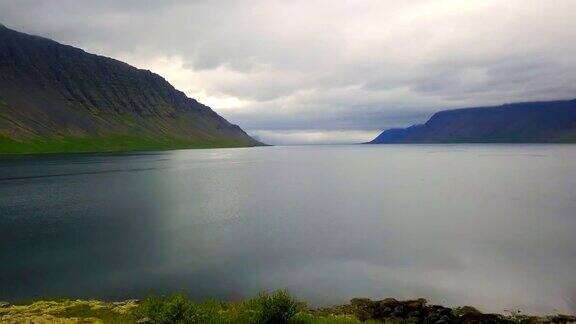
327	71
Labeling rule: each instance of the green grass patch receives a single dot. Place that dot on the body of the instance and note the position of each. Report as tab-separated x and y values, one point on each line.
107	144
100	312
69	311
278	307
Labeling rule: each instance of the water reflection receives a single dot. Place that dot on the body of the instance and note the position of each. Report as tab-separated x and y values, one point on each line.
485	225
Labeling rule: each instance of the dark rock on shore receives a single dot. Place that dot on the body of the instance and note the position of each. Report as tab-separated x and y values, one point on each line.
390	310
279	307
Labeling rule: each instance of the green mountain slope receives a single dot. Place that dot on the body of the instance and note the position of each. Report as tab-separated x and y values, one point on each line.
57	98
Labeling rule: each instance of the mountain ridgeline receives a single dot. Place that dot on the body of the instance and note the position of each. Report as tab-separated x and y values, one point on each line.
531	122
57	98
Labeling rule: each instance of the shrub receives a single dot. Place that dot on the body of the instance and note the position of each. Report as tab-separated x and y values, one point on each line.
163	310
178	309
278	307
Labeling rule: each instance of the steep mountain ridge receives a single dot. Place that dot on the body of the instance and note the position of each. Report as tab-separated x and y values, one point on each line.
58	98
530	122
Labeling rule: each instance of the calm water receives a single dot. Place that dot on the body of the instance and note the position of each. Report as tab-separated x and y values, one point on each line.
488	225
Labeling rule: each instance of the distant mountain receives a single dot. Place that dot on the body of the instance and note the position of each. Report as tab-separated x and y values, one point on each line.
531	122
57	98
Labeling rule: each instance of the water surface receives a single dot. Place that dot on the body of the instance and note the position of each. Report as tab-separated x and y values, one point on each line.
488	225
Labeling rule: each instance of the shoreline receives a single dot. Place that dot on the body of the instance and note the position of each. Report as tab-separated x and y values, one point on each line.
277	307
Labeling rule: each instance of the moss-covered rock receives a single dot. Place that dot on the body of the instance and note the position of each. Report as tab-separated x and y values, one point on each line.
68	311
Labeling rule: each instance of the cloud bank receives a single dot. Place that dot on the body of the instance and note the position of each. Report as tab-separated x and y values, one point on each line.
327	71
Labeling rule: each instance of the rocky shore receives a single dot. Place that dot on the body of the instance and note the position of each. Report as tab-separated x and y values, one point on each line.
419	311
278	307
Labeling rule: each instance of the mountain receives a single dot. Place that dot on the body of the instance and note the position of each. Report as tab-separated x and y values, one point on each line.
57	98
531	122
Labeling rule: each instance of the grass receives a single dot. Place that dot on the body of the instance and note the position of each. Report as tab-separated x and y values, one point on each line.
106	144
69	311
278	307
101	312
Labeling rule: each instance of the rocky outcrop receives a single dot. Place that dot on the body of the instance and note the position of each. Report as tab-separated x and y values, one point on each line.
390	310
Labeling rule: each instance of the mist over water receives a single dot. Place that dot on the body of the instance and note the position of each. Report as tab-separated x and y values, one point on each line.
487	225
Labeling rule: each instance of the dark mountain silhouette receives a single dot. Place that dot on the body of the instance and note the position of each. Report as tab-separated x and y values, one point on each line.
531	122
57	98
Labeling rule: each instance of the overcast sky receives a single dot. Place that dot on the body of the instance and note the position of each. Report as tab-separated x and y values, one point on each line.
327	71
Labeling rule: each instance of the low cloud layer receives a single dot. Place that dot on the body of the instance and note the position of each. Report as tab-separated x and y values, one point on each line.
327	71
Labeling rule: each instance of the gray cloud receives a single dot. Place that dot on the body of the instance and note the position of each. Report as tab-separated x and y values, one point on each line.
302	67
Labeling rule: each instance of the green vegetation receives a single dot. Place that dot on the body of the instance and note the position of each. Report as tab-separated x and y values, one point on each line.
106	144
69	311
69	101
277	307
